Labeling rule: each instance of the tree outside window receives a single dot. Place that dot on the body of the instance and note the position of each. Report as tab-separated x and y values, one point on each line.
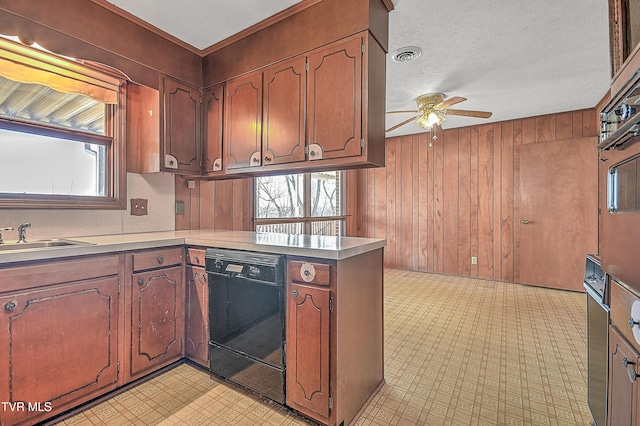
307	203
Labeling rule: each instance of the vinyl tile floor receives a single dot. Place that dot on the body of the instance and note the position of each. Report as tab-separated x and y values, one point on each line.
458	351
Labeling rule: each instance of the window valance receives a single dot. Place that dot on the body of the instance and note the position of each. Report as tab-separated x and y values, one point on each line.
29	65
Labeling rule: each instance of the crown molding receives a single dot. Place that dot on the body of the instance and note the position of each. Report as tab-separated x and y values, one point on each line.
298	7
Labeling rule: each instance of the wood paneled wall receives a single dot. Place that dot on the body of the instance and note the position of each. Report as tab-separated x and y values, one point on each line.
85	29
438	206
223	204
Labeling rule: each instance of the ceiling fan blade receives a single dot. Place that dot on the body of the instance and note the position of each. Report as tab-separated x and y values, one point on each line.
401	124
451	101
413	111
477	114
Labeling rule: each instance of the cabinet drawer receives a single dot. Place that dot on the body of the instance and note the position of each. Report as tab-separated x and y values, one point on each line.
624	306
150	259
195	256
310	272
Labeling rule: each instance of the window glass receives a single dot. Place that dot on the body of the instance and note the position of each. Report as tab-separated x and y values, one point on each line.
36	164
304	198
280	196
324	194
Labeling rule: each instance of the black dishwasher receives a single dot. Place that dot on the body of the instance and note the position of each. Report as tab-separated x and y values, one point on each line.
246	319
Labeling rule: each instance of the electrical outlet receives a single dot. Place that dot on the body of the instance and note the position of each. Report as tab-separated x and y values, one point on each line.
138	207
474	260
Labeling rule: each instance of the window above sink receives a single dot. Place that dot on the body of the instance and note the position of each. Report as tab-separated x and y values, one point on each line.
61	127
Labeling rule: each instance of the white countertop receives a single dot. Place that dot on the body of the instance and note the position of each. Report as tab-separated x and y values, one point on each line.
335	248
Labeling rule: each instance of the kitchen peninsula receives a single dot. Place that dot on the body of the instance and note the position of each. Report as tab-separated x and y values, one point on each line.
109	310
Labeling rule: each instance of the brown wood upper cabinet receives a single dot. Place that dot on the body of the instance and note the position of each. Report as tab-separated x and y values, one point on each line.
164	128
212	105
334	103
309	112
265	116
181	127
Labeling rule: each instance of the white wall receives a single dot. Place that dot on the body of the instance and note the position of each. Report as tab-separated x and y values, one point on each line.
158	188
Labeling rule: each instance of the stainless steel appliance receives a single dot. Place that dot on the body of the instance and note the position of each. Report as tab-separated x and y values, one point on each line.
620	118
246	319
619	176
595	281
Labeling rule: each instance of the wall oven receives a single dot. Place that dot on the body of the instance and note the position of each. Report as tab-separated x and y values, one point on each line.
619	178
246	319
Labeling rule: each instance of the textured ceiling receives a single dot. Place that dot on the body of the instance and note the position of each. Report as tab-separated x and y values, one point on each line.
515	58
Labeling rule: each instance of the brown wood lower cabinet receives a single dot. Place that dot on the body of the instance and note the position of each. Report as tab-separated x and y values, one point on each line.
334	335
157	321
624	357
196	308
623	381
308	320
197	316
60	343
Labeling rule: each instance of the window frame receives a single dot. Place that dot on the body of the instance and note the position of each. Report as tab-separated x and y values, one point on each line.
113	139
307	220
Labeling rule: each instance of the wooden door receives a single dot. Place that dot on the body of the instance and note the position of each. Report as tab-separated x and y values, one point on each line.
334	100
307	372
156	319
197	316
623	385
59	347
212	128
283	124
243	120
181	127
557	214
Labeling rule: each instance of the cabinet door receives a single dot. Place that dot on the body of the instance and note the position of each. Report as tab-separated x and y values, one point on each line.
157	325
197	316
623	386
283	124
181	127
212	138
143	129
243	120
59	347
308	321
334	100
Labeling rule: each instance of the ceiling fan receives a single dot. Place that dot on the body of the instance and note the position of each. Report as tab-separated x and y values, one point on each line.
432	108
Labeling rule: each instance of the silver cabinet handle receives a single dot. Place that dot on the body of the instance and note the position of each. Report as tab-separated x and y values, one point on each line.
524	221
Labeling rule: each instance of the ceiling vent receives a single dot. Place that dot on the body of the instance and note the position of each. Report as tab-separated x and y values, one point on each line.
406	54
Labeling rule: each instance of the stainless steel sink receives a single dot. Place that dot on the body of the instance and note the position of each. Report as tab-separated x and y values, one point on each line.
41	244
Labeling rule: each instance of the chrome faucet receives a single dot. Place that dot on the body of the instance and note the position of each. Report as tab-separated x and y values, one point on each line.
22	232
2	230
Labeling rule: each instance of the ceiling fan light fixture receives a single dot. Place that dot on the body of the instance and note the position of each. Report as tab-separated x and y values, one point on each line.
431	119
